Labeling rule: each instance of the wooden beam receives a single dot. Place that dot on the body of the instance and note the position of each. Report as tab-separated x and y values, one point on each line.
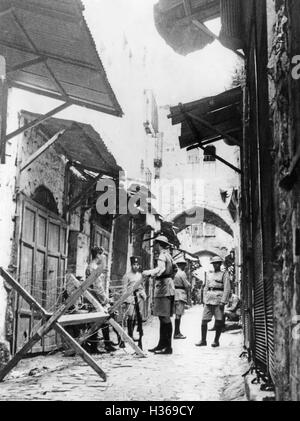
3	117
78	200
56	326
25	64
42	149
126	337
205	29
80	351
39	120
80	318
71	101
213	128
41	331
5	12
187	7
194	130
111	321
36	50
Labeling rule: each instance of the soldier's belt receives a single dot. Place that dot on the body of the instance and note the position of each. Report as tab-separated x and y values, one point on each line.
180	288
215	289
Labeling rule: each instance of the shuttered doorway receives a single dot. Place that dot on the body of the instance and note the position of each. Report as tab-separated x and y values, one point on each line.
42	265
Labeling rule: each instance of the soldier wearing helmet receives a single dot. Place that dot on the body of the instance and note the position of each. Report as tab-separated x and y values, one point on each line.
163	294
182	286
216	296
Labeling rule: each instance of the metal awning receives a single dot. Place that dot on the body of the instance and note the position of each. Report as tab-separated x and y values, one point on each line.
223	112
49	50
209	120
80	143
182	23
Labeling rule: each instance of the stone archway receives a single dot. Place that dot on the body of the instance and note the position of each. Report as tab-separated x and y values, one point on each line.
206	215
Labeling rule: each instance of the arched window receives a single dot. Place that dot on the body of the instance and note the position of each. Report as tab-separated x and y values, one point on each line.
44	197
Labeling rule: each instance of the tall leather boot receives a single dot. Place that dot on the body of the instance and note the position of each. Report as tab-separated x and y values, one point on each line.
219	327
130	328
168	340
203	335
177	333
107	342
161	342
177	324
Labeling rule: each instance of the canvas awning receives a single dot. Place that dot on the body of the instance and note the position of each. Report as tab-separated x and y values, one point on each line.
49	50
80	143
223	112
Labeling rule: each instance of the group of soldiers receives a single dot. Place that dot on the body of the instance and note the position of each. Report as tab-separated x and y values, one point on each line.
171	288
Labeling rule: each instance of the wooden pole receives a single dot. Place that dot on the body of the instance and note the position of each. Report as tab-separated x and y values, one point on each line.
3	109
42	149
51	322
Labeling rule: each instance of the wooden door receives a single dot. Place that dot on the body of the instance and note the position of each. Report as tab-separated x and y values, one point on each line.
43	251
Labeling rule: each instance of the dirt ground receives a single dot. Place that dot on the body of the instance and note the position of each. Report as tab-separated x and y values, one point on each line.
189	374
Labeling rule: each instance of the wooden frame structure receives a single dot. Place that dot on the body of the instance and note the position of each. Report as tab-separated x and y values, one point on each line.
58	319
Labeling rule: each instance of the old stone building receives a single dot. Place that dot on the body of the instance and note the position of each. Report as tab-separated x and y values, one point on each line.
265	33
54	224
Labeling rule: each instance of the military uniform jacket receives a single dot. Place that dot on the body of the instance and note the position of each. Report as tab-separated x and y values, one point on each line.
164	283
128	282
181	286
220	280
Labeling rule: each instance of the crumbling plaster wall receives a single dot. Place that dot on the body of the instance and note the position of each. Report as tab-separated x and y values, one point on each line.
47	170
286	285
7	218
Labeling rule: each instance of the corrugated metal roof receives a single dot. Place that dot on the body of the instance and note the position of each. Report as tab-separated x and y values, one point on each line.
175	24
80	143
55	30
223	111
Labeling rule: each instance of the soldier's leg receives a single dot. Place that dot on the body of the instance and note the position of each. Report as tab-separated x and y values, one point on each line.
206	318
107	342
161	341
166	336
219	321
179	311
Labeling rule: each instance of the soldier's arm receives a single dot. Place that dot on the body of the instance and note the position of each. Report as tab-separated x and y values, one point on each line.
159	270
185	281
227	288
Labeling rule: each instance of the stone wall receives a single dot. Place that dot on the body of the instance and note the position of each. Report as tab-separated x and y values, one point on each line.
287	216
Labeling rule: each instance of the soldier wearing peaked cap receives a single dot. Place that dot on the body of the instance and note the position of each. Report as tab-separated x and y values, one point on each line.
163	294
131	277
182	286
216	295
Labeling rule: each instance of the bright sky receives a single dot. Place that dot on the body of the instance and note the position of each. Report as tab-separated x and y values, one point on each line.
123	29
175	78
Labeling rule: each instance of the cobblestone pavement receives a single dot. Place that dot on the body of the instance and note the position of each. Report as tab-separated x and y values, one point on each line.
190	374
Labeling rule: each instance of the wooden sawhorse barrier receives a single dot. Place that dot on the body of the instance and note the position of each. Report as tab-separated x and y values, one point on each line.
59	319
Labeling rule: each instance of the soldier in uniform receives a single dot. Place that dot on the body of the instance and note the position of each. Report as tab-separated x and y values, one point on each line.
128	281
98	291
163	294
216	295
182	286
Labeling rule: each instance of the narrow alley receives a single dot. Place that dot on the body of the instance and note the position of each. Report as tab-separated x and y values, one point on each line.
149	180
190	374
